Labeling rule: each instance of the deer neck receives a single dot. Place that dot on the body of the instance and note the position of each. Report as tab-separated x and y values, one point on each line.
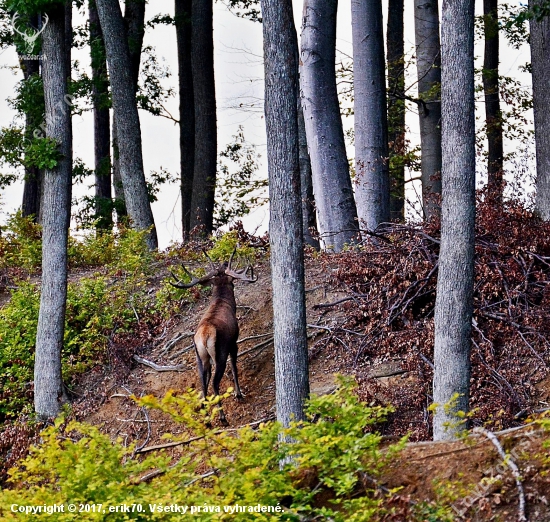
225	293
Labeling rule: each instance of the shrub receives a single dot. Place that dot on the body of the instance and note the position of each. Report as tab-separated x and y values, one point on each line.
323	474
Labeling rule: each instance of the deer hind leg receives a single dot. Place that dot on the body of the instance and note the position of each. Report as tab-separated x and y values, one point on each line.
221	363
233	355
204	366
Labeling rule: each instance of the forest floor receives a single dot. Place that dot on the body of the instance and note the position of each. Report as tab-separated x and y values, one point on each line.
370	315
468	475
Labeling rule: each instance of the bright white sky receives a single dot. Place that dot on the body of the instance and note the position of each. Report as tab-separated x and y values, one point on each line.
239	78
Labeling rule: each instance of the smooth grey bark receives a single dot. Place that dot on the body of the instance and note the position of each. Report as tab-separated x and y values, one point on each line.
455	280
428	64
30	205
372	192
204	89
48	384
336	212
134	24
102	124
540	68
309	221
127	119
395	45
187	110
493	115
285	226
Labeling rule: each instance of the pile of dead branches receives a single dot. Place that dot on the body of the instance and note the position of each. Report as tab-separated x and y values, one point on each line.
389	309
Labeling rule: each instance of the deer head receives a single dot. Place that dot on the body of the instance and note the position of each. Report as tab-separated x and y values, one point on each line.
224	269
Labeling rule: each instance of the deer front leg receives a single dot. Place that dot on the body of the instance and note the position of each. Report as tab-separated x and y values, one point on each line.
233	355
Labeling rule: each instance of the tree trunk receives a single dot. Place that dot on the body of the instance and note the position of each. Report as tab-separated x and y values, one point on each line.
372	192
540	67
395	43
187	111
428	64
48	384
287	263
493	116
134	21
31	190
309	221
102	126
455	281
206	147
134	24
127	119
336	210
120	200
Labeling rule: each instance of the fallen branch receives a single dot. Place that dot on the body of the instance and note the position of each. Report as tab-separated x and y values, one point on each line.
263	344
513	467
157	367
249	338
193	439
178	337
181	352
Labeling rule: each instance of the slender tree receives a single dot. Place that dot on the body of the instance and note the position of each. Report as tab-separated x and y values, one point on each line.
540	69
187	110
48	385
395	44
102	124
31	188
206	152
493	115
372	193
309	220
287	263
127	118
336	210
134	24
455	280
428	63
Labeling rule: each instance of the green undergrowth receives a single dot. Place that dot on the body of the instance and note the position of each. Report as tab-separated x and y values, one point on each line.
115	299
112	300
328	472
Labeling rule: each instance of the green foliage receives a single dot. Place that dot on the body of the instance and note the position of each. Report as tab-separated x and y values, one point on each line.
225	244
544	422
18	321
31	6
152	95
29	97
12	146
96	305
21	243
42	153
237	190
77	464
245	9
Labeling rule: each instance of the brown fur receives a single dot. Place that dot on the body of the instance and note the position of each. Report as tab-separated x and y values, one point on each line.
216	336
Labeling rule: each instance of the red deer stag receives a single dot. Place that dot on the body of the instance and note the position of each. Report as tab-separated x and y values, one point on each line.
218	330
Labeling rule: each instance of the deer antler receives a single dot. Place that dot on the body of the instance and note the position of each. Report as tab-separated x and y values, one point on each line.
194	280
241	274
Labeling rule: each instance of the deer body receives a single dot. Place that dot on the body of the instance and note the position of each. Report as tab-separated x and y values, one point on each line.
218	330
216	337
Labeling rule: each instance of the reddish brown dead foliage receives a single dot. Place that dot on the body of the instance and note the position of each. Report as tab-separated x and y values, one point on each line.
392	284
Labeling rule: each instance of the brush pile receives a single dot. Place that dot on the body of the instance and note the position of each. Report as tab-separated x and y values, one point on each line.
389	316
